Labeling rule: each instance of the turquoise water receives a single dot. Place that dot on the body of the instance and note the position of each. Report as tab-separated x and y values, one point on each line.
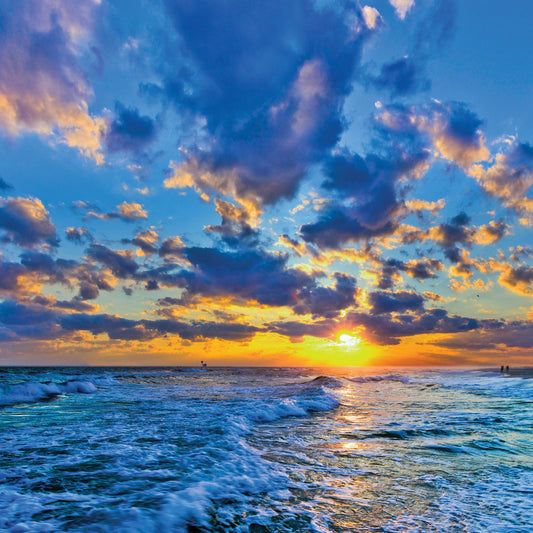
258	450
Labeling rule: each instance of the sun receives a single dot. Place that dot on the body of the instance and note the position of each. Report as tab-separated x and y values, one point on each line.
349	340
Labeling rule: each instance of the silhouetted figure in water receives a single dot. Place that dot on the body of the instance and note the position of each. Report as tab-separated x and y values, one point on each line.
507	369
501	370
204	365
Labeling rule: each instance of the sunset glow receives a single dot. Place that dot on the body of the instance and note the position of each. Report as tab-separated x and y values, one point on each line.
269	183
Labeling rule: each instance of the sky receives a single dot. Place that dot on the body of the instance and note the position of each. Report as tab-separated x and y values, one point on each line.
281	183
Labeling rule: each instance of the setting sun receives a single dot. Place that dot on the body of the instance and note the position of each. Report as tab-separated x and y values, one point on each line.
349	340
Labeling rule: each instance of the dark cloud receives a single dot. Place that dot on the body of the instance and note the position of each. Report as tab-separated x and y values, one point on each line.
385	329
271	96
171	247
4	186
122	264
520	252
10	274
78	235
328	301
120	328
55	270
126	211
394	302
420	269
129	131
296	331
15	314
367	202
249	275
408	75
235	228
26	222
146	240
402	77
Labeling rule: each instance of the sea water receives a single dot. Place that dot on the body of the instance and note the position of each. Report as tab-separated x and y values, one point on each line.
265	450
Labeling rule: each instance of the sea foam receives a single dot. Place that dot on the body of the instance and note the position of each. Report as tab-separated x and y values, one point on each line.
30	392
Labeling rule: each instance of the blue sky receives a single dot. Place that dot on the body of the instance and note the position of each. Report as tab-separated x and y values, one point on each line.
249	181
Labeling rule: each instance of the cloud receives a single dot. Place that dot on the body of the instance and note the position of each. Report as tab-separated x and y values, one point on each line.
120	262
402	77
120	328
26	222
367	202
451	128
129	131
237	224
371	17
385	329
402	7
518	279
78	235
392	302
457	231
146	240
43	89
509	178
327	302
172	248
4	186
126	211
270	98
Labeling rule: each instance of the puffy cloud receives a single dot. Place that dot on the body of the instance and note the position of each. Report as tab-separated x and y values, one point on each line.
509	179
402	7
237	224
328	301
450	127
26	222
270	97
518	279
457	231
520	252
146	240
42	88
129	130
335	228
120	262
417	205
249	275
402	76
392	302
422	269
172	247
127	211
55	270
367	203
372	17
78	235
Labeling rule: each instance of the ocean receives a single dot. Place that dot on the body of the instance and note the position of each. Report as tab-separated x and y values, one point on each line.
265	450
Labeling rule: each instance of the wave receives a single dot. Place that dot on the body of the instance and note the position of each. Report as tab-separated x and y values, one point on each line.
302	399
34	391
404	434
370	379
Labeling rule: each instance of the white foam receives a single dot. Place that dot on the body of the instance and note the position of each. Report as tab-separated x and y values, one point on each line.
30	392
